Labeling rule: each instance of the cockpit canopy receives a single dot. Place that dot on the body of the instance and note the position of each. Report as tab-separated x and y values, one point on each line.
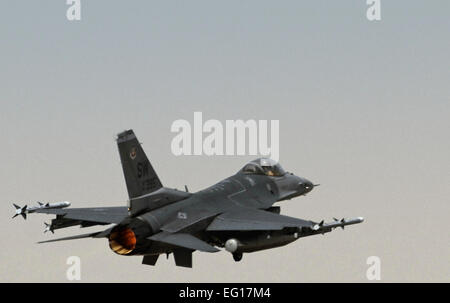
264	166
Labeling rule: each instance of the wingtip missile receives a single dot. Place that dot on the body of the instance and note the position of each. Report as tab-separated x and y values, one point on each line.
337	223
23	211
20	211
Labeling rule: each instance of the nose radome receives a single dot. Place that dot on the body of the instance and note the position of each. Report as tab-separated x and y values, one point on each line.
309	185
306	184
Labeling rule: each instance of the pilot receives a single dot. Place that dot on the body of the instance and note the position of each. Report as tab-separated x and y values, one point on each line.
269	172
264	166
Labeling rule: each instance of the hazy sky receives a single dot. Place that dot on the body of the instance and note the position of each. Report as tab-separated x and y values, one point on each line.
364	110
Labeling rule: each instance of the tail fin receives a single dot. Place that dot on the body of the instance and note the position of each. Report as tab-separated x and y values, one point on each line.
140	176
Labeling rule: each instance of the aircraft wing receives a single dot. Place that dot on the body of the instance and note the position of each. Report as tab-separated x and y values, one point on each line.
183	240
246	219
101	215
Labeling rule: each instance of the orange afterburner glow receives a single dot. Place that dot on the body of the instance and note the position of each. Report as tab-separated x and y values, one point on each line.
122	240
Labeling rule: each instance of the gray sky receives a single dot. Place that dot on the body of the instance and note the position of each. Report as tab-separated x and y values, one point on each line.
363	109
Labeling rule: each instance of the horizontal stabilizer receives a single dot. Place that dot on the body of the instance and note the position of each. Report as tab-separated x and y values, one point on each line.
105	215
90	235
183	240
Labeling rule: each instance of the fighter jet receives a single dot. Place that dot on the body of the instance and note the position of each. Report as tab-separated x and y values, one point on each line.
237	213
23	211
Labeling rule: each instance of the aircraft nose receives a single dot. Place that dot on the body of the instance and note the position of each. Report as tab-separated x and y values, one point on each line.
306	185
293	186
309	185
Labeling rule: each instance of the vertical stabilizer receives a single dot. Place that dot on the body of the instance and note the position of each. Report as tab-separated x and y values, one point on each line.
140	176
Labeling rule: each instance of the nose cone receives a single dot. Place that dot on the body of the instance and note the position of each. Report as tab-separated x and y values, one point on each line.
293	186
306	185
